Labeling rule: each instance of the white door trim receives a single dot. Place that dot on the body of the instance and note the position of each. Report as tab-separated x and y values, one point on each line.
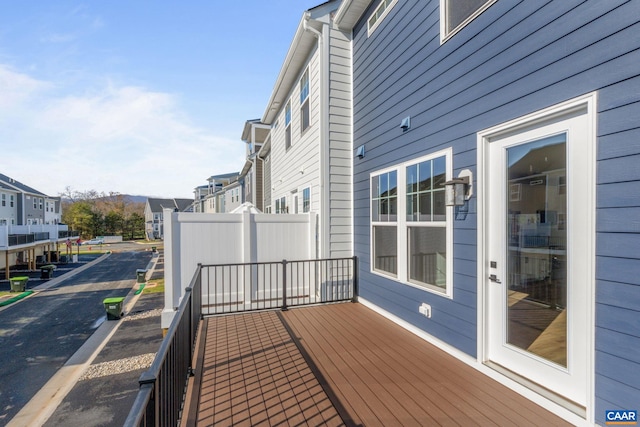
588	102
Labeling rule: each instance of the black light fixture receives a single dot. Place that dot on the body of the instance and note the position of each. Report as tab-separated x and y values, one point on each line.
458	190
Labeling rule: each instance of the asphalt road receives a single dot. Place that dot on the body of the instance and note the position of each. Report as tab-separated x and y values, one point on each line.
39	334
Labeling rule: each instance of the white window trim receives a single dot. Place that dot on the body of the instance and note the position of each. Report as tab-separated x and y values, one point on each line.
287	125
372	28
443	23
402	225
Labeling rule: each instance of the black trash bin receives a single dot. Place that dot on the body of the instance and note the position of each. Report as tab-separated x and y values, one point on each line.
141	275
19	283
46	271
113	306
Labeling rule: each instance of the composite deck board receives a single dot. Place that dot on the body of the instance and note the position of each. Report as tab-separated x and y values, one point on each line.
419	370
343	364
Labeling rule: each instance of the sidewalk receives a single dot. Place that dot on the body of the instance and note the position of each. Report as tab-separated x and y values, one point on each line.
106	391
98	385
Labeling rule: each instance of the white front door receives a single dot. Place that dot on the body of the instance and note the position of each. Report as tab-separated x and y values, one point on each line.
539	259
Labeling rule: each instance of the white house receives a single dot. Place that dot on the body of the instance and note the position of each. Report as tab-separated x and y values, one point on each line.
308	155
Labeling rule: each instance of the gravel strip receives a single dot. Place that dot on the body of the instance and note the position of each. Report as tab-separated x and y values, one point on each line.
143	314
119	366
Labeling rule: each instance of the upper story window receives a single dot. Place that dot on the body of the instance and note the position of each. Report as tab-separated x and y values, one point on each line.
11	200
411	228
41	202
287	124
4	200
35	203
304	101
379	14
306	200
455	14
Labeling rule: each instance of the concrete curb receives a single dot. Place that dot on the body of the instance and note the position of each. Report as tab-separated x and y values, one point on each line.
41	406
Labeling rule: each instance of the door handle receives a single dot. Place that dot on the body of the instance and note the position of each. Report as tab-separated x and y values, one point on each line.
494	279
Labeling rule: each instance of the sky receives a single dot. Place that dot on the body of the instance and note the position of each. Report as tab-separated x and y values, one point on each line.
135	97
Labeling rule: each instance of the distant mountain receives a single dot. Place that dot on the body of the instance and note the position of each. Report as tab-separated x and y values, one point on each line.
127	198
135	199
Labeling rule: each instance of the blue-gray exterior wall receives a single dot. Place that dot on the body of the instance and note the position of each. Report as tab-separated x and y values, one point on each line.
514	59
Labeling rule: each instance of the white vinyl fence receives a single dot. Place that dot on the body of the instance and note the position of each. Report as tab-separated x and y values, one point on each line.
229	238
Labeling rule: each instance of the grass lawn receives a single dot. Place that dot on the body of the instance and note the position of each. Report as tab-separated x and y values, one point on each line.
154	286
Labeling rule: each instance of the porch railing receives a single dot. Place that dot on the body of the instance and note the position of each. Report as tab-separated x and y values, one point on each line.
162	388
233	288
228	288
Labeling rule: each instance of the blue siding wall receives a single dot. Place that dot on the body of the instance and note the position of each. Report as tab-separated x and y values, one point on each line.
515	58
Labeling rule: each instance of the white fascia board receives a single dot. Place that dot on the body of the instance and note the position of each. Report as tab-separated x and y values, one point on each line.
303	44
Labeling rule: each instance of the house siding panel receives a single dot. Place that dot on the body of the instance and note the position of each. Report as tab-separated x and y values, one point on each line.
512	60
340	147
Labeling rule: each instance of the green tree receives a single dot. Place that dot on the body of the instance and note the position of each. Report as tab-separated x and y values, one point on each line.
97	214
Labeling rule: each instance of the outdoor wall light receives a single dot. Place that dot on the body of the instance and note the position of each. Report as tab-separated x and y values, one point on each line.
405	124
459	189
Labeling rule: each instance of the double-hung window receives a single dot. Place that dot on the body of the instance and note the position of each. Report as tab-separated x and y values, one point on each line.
4	200
304	101
411	226
281	205
306	200
287	125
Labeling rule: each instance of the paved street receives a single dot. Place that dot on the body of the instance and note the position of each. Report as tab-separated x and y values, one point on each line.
40	333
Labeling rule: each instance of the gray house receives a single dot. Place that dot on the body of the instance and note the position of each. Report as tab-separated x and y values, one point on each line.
26	205
529	111
154	222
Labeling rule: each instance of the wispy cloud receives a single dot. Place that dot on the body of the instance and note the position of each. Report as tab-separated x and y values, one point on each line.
112	138
57	38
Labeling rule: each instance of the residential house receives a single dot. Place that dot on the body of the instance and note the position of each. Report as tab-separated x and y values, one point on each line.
253	135
29	203
154	223
199	194
231	196
30	225
207	197
308	151
530	276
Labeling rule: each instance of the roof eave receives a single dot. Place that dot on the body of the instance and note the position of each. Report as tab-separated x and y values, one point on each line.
349	13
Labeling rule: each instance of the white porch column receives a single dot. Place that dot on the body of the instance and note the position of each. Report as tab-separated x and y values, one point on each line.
173	286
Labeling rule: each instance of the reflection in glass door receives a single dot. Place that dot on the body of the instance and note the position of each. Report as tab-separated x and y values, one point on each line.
536	287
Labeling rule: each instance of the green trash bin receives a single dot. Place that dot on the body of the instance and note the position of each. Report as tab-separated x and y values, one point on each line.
141	275
19	283
113	306
46	271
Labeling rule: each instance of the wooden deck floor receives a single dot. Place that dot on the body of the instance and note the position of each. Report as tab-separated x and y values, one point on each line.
341	364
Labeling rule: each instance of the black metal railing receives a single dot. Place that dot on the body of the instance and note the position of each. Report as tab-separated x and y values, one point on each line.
162	388
229	288
233	288
21	239
40	236
67	233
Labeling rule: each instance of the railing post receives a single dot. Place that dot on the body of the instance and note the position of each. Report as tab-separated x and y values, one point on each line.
152	417
284	285
354	298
